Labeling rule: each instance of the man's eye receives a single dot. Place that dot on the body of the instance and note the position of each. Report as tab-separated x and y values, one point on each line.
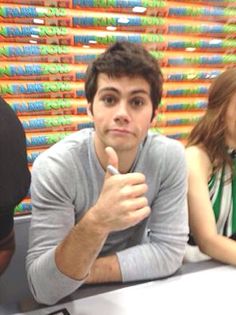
109	100
137	102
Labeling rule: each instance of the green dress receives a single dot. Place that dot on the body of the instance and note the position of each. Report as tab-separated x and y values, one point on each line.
222	189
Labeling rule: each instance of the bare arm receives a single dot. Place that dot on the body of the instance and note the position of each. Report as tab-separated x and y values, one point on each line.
201	216
104	270
7	248
76	254
120	205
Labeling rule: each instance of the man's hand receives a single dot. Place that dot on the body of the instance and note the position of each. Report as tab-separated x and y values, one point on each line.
122	203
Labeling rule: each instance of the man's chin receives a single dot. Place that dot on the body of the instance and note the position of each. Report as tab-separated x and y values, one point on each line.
121	147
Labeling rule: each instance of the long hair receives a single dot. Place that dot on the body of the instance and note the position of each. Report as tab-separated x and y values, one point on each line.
210	131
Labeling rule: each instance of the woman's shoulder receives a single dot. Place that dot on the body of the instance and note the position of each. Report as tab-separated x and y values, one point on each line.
197	152
198	160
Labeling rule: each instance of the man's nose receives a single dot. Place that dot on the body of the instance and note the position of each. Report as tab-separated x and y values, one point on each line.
122	113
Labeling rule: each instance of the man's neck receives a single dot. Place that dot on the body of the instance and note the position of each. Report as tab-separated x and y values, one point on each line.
126	158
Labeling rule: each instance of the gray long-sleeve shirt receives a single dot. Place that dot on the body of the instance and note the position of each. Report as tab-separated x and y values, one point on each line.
66	182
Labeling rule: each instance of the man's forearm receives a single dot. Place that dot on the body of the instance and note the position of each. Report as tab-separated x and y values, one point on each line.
104	270
77	253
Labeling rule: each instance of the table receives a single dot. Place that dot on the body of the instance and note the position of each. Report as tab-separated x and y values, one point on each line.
209	291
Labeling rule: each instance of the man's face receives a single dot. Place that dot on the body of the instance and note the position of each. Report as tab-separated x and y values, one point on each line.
122	111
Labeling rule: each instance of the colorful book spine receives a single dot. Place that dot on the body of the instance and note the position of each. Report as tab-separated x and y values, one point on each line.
48	106
42	71
182	104
55	123
179	89
69	72
44	89
76	89
178	133
177	119
80	18
122	4
25	207
33	154
70	36
185	74
36	140
76	55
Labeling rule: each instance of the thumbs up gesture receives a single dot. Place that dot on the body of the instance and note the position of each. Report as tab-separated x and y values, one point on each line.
121	203
112	161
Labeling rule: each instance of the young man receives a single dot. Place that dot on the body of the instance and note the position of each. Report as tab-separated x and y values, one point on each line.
14	178
93	225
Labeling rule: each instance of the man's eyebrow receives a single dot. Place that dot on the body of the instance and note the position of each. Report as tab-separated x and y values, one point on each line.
140	91
108	89
112	89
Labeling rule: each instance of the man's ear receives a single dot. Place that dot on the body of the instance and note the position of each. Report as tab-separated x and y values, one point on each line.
89	111
153	121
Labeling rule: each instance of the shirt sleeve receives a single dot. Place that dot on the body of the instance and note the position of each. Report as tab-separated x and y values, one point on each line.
15	176
52	218
6	222
161	252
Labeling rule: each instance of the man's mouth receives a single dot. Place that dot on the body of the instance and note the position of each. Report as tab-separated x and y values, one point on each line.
120	131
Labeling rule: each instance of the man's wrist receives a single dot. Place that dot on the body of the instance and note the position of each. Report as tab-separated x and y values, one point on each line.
105	270
94	224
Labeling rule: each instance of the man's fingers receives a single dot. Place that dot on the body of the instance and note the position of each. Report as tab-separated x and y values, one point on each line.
139	215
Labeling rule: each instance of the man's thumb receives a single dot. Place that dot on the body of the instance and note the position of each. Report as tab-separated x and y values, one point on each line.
112	160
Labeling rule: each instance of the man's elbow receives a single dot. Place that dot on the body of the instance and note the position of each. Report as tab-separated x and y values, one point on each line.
176	254
171	261
42	297
45	290
176	263
40	291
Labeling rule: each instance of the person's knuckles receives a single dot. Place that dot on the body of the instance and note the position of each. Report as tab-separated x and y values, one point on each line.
142	202
130	205
137	216
133	191
138	190
139	203
143	213
134	178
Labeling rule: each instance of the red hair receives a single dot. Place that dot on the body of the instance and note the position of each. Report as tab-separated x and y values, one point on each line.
210	130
